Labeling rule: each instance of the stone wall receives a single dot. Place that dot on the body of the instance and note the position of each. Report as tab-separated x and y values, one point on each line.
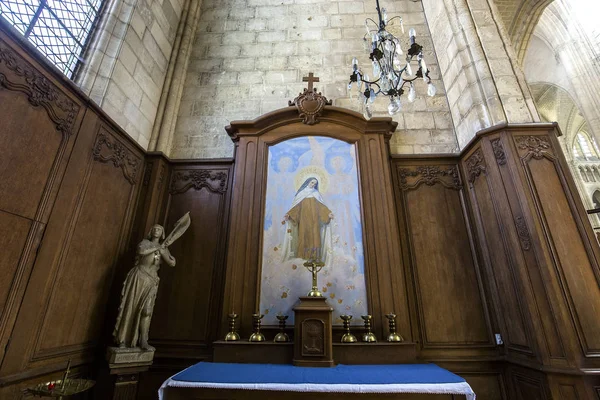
485	85
249	58
127	61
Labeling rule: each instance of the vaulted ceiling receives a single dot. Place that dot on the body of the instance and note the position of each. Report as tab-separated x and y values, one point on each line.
520	18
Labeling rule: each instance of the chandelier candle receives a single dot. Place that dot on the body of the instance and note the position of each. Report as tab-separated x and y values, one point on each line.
390	74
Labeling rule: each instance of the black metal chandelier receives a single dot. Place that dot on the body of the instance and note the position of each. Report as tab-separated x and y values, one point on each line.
390	74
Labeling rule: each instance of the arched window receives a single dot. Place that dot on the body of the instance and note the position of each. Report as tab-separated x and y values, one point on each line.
58	28
584	148
596	199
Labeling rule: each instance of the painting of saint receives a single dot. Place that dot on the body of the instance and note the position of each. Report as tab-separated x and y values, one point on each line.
312	212
307	223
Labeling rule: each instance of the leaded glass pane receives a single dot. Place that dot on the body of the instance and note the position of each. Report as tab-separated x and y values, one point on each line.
58	28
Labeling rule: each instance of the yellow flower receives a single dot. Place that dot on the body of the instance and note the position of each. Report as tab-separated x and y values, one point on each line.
340	301
275	248
284	295
324	288
332	295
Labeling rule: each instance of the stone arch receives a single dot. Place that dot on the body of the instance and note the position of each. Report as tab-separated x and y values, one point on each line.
555	104
520	18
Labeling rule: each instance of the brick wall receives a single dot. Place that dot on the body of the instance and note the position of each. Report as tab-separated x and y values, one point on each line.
249	58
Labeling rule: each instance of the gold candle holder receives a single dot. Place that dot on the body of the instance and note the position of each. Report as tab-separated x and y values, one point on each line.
232	335
393	336
347	337
368	336
282	336
314	267
256	335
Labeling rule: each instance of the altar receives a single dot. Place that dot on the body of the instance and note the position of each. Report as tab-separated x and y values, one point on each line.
313	277
268	381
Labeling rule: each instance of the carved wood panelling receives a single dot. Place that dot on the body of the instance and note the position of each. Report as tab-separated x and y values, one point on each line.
534	146
523	232
61	315
574	271
443	264
498	149
475	165
187	311
181	181
109	150
501	263
411	178
19	75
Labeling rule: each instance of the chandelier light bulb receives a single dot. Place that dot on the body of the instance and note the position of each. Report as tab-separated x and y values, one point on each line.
367	113
409	70
412	93
412	34
395	106
431	90
355	64
384	15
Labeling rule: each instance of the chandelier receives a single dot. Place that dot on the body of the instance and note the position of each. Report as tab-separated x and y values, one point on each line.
390	73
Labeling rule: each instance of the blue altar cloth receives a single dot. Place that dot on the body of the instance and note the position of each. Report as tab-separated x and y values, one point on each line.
394	378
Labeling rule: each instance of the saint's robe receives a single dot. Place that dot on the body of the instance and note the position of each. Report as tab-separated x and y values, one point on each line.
309	216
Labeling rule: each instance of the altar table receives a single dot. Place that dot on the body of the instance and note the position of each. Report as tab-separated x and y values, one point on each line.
358	379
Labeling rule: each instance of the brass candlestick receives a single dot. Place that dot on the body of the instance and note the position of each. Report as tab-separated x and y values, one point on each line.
232	335
256	335
368	336
314	267
393	336
282	336
347	337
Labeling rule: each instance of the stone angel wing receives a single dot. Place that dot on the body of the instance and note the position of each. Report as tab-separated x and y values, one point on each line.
180	227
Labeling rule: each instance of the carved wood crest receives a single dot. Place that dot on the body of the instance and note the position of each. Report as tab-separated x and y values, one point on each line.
40	91
430	175
213	180
109	150
536	146
476	165
310	103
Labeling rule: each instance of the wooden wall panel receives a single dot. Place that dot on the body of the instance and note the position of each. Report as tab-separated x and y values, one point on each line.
450	303
571	255
62	312
498	240
40	119
186	316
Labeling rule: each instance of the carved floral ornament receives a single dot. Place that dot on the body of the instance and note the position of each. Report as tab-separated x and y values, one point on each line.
109	150
498	149
430	175
22	77
536	146
213	180
476	165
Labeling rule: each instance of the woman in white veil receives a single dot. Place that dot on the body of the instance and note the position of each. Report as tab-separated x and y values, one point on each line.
308	233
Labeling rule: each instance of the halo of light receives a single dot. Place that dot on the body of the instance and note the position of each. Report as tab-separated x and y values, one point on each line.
315	171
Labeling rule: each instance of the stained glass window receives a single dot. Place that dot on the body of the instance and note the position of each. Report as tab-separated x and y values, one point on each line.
58	28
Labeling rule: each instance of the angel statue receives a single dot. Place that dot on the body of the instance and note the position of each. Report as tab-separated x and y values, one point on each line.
141	285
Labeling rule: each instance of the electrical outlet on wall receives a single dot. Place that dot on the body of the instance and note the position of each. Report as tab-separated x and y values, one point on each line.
499	340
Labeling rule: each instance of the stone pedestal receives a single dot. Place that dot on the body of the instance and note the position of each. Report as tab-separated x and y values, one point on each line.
125	365
313	344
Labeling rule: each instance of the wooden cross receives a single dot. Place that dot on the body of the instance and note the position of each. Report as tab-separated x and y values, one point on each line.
310	79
